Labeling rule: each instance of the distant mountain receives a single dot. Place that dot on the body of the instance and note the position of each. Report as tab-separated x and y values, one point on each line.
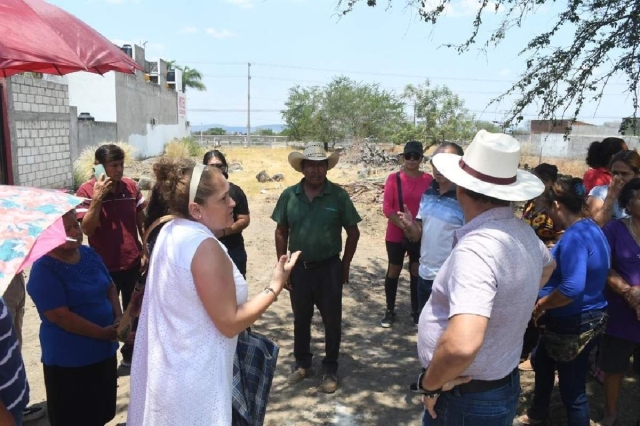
236	129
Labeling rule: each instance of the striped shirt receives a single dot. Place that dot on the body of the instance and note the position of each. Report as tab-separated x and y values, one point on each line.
440	215
14	389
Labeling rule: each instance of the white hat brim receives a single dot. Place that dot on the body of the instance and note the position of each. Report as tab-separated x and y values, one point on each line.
526	187
295	160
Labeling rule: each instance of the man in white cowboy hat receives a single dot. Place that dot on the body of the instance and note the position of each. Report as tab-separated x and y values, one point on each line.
310	217
471	329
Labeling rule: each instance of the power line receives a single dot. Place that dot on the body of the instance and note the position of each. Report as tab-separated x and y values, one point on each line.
294	80
364	72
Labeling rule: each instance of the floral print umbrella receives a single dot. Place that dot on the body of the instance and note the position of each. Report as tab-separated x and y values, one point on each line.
30	226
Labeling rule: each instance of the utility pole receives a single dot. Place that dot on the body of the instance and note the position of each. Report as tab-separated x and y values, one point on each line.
414	114
249	105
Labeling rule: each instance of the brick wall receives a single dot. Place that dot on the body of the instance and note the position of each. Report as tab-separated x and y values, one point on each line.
39	121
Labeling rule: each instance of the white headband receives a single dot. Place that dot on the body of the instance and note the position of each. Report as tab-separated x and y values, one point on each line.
195	181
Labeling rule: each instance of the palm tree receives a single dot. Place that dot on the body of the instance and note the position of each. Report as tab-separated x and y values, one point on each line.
191	77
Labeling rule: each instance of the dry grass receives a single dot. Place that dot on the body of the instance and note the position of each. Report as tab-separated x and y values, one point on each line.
83	166
183	148
575	168
273	161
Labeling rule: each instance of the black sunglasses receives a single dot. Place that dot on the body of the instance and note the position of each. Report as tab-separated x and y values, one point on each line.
412	156
218	166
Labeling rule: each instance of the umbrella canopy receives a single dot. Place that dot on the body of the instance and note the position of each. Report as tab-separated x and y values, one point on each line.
39	37
30	226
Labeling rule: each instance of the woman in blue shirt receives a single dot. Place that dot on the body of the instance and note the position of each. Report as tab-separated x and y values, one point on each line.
79	308
571	303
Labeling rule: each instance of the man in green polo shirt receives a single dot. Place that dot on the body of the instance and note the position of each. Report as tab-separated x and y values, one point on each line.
310	217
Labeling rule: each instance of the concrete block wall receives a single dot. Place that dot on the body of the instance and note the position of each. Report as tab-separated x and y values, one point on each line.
39	126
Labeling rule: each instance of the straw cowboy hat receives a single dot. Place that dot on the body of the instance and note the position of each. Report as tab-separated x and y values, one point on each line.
313	151
490	167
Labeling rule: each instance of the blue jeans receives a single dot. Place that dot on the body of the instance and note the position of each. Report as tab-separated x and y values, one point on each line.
496	407
572	375
424	292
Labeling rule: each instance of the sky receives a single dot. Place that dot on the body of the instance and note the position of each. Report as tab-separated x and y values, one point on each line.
307	43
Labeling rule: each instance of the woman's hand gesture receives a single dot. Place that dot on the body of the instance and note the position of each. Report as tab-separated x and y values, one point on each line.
282	271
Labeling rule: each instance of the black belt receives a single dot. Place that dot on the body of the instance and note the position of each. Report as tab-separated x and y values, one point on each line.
477	386
314	265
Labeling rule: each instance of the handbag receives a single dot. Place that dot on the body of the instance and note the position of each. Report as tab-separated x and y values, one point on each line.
254	365
135	304
566	347
407	244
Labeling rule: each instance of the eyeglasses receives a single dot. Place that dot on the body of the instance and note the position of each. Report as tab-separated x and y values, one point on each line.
218	166
412	156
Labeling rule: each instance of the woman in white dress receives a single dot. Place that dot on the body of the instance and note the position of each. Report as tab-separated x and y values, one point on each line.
195	305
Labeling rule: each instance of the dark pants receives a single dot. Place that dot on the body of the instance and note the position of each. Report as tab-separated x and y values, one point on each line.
572	375
125	282
320	286
395	255
239	256
81	396
424	292
530	340
496	407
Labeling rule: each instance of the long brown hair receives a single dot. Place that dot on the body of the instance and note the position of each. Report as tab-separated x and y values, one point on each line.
174	179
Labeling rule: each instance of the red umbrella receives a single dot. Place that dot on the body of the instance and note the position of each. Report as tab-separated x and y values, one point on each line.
39	37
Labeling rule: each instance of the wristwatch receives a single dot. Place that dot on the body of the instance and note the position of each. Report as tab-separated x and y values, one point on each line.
431	394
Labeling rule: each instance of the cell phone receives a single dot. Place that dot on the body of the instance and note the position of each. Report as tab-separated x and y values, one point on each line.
98	170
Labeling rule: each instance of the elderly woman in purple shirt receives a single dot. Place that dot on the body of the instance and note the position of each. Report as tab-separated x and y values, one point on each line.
622	337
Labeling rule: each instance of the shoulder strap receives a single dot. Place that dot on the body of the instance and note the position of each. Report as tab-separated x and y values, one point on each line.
399	185
149	230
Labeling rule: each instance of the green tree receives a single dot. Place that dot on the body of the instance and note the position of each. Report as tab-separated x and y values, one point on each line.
408	132
440	112
342	109
560	76
300	115
266	132
216	131
489	126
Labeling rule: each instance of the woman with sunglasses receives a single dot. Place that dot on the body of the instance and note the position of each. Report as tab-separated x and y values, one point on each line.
408	184
231	236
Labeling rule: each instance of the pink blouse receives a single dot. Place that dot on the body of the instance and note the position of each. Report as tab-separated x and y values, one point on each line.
412	190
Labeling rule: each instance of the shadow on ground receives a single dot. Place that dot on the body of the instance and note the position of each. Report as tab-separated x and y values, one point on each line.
376	364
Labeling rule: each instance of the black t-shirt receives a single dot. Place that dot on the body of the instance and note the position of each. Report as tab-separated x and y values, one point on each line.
242	207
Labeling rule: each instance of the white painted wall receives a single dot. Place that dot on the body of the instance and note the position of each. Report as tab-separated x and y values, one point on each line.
153	142
93	93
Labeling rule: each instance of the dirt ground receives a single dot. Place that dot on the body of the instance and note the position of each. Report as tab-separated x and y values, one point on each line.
376	365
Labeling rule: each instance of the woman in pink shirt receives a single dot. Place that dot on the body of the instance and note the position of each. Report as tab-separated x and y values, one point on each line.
412	184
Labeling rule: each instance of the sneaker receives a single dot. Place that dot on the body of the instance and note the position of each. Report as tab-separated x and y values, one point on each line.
298	375
329	383
387	320
32	413
525	420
